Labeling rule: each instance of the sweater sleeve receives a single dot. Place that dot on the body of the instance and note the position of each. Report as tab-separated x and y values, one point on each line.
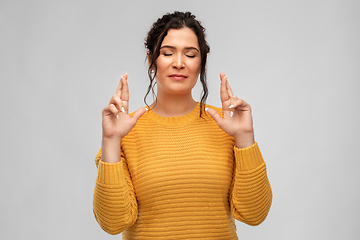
250	193
114	203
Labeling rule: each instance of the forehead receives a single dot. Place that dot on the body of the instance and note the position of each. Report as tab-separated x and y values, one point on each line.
183	37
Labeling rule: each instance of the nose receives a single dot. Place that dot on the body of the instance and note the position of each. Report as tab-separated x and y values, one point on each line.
178	62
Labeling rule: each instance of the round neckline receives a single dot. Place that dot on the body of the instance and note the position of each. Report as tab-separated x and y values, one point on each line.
174	121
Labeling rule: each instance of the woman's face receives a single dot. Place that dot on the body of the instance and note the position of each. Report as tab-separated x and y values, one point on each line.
178	65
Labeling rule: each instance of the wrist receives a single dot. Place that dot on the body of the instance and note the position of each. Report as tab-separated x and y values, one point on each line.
244	140
111	150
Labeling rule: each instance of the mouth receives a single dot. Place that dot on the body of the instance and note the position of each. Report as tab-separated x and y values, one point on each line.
178	76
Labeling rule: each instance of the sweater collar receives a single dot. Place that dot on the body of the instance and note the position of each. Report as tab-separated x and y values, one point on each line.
174	121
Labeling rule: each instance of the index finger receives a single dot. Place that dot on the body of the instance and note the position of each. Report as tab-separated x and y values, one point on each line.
125	89
119	87
229	88
224	93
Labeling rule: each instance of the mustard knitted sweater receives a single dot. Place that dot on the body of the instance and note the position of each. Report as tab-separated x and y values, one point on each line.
180	178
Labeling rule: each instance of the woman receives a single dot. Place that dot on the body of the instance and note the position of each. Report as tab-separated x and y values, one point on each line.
172	170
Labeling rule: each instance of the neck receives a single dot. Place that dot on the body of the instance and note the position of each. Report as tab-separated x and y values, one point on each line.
173	105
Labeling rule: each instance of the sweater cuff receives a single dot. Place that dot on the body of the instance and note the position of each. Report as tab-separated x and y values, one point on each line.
110	173
248	158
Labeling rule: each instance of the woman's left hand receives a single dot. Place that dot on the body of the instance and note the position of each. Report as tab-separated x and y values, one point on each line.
237	119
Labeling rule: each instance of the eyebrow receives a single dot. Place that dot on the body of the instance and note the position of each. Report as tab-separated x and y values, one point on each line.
172	47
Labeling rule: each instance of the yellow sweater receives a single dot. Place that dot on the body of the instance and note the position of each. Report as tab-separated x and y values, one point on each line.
181	178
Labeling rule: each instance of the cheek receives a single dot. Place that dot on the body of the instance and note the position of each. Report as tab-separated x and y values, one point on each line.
197	67
162	63
159	64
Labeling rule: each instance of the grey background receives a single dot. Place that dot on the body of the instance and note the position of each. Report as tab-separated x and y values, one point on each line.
296	62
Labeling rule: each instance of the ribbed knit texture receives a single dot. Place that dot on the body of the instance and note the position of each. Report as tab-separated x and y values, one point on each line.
181	178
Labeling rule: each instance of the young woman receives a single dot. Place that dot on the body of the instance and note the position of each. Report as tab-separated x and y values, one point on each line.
179	169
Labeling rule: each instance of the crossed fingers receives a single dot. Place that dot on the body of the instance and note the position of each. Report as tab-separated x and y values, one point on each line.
120	100
229	100
226	95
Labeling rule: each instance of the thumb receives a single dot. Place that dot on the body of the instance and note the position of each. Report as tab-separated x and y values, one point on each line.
138	113
214	114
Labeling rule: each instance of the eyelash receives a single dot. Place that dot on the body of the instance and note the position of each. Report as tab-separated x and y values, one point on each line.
169	54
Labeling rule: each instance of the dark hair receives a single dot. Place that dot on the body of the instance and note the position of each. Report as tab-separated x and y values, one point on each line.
156	35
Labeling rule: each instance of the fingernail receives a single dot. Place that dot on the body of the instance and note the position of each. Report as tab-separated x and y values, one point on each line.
231	113
117	116
146	109
123	109
206	109
231	106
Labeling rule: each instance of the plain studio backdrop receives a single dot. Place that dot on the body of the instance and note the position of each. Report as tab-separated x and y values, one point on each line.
296	62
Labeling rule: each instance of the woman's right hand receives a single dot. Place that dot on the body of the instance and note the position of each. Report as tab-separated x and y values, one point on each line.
116	122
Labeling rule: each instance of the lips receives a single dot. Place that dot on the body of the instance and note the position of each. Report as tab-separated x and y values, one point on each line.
178	76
